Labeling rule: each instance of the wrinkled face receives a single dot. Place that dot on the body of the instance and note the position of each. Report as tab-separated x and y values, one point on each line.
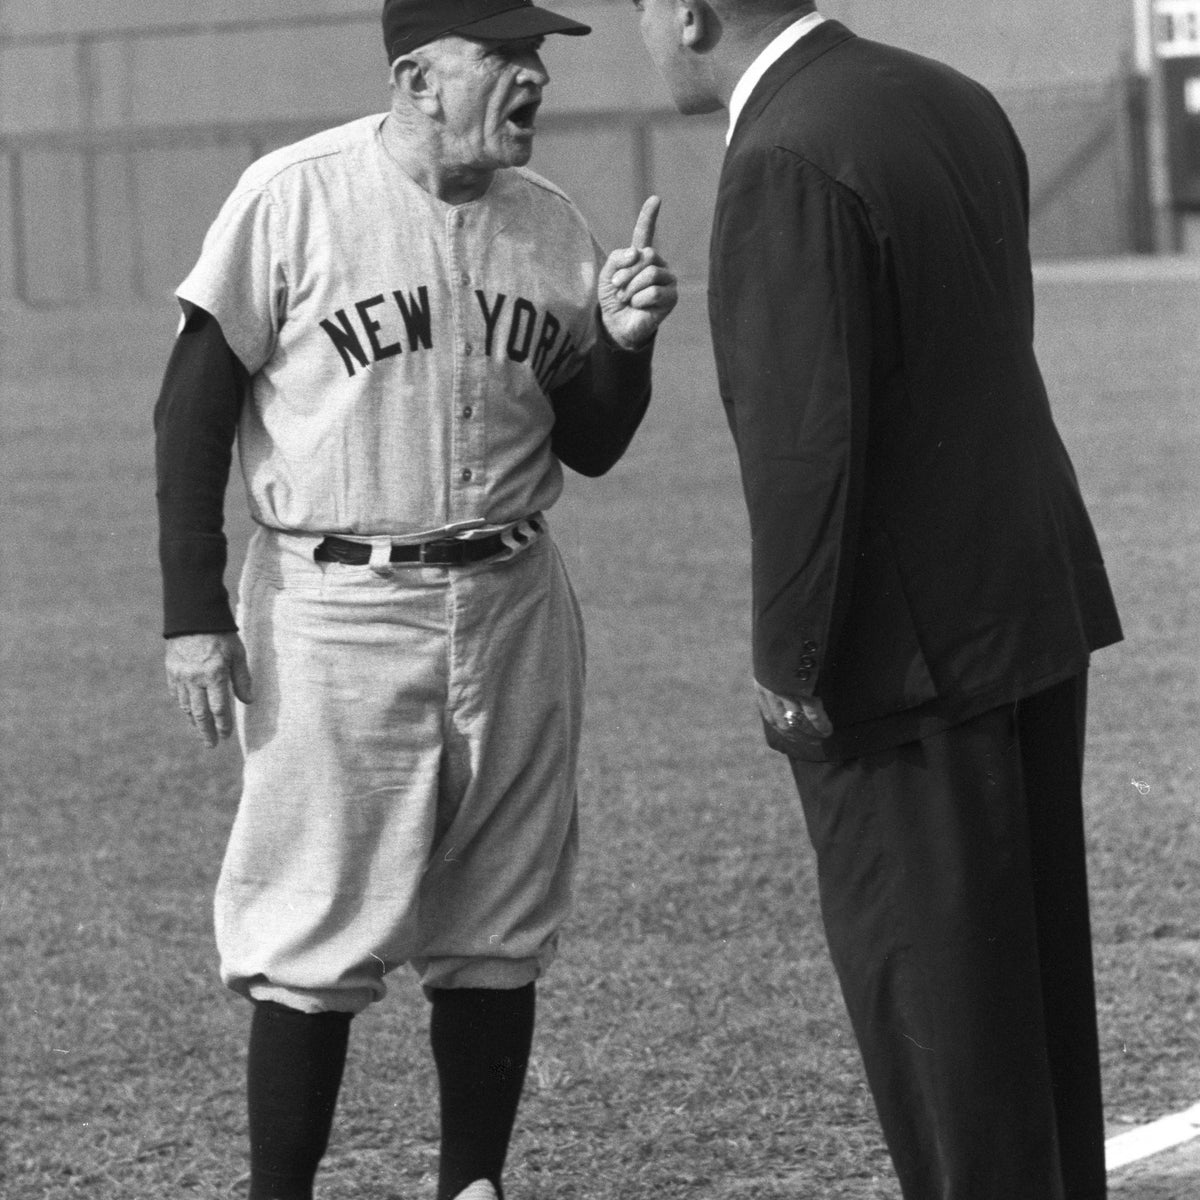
490	93
665	26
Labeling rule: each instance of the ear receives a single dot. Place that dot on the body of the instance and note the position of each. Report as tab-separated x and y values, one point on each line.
699	26
414	78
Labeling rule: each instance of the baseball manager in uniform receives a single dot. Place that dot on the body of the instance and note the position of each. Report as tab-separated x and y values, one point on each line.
407	332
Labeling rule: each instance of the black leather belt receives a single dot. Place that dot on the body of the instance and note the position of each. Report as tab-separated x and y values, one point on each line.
442	552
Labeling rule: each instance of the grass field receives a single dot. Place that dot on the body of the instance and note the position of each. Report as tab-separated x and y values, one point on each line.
691	1041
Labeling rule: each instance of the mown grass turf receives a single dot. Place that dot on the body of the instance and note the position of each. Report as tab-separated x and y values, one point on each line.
691	1041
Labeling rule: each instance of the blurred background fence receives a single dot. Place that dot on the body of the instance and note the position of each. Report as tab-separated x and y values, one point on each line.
123	124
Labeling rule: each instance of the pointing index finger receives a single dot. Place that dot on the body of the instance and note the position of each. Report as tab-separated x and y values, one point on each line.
643	231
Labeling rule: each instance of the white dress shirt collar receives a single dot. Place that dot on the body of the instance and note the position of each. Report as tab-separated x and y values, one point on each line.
772	52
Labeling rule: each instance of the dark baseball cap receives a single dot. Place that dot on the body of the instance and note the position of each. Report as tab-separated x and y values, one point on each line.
408	24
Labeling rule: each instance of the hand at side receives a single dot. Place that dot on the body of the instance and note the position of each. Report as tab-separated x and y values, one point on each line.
204	672
805	716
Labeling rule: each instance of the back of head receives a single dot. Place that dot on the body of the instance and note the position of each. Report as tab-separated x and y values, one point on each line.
749	10
752	22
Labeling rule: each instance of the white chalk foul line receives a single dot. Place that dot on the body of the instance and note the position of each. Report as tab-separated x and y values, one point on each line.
1153	1138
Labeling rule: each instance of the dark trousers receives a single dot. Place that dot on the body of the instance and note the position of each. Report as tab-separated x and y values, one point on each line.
954	894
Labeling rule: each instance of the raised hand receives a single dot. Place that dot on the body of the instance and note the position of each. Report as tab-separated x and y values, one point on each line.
636	290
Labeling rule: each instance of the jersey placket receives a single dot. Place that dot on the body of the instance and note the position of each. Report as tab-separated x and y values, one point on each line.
466	485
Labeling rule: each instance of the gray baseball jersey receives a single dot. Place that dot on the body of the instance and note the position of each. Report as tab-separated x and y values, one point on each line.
401	349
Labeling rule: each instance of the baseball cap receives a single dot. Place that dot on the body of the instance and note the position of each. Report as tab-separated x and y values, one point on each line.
408	24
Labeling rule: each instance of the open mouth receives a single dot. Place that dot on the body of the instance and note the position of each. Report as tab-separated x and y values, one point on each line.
523	116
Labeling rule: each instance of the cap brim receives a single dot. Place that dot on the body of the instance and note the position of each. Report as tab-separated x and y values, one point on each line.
523	22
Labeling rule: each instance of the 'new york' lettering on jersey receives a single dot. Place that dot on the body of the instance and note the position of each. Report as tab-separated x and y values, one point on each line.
518	344
401	349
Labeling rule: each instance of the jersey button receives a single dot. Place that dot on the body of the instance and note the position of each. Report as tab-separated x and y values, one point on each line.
468	412
467	475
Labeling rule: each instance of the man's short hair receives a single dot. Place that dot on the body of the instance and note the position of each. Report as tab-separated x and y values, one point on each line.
764	8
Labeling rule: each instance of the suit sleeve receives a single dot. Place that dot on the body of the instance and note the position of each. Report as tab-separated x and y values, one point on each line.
797	262
195	423
598	410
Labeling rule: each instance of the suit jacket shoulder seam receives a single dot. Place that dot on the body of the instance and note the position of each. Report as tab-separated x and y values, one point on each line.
840	187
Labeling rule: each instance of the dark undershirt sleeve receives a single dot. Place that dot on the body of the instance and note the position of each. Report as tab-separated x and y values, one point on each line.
597	412
195	423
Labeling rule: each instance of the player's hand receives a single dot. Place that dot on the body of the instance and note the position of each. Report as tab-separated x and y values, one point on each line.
636	291
203	669
793	716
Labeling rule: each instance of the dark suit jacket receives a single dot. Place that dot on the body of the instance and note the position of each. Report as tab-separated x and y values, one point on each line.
921	551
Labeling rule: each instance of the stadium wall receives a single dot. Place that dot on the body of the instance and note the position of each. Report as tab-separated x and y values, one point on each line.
123	123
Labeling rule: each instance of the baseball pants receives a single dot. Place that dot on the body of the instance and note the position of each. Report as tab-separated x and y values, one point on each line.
409	780
954	894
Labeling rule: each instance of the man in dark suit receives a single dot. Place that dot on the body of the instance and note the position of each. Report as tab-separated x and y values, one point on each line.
926	585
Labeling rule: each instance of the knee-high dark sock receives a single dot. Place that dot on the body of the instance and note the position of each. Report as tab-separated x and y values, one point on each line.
481	1039
293	1073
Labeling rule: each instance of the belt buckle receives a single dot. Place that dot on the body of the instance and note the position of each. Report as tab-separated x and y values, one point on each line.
438	553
